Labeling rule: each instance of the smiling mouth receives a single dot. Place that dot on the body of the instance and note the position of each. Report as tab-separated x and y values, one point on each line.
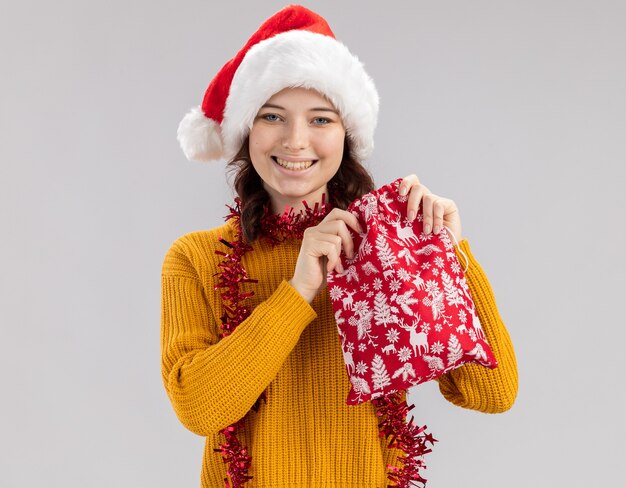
294	166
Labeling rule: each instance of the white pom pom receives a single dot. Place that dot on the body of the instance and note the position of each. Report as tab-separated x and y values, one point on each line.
200	137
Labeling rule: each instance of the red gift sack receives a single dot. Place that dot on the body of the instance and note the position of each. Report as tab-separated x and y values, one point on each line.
403	308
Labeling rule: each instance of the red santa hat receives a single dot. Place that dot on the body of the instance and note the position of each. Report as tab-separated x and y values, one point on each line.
293	48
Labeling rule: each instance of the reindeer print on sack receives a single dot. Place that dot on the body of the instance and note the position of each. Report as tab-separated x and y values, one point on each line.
418	340
403	307
405	234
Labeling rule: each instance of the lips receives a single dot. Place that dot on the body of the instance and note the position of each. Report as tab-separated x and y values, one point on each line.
294	165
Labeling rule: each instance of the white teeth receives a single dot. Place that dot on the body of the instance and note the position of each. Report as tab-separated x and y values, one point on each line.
300	165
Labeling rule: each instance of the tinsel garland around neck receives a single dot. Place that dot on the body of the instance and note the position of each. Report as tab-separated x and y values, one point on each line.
391	409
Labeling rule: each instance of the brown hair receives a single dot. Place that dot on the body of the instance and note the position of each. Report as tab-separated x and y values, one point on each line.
351	181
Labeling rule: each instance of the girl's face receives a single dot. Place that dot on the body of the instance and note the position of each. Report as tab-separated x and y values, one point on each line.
296	146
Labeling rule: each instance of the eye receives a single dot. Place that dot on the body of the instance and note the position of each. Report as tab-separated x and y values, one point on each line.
321	121
270	117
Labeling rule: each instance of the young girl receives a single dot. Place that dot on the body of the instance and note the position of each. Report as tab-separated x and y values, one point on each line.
251	358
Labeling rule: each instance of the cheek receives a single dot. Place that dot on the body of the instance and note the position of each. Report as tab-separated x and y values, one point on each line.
331	143
256	138
334	145
253	141
260	143
255	147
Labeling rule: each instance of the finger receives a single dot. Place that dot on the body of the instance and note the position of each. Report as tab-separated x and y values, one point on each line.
326	251
427	211
323	238
332	262
415	198
350	219
439	207
407	183
330	246
338	228
332	258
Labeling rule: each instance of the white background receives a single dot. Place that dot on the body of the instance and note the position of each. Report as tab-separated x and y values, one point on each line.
514	109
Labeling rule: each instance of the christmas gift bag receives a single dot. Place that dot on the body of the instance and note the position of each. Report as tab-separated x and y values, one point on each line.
403	308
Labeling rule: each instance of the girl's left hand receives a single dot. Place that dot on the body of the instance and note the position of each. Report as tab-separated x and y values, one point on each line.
438	211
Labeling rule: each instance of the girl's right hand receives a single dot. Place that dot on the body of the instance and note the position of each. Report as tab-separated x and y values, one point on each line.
320	251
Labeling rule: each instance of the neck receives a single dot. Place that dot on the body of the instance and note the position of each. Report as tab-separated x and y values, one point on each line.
290	223
286	205
281	202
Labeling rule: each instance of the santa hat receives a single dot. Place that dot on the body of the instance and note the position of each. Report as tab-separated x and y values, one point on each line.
293	48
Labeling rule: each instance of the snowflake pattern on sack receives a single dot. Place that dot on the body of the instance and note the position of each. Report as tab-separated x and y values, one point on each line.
403	308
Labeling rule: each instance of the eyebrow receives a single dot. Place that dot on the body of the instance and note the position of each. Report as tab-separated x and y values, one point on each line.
315	109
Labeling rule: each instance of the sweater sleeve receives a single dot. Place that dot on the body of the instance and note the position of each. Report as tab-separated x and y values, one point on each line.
474	386
212	383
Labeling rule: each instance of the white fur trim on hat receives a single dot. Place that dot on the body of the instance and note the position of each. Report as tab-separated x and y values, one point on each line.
200	137
301	58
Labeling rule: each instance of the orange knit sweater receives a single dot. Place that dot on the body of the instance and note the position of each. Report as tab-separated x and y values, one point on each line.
305	435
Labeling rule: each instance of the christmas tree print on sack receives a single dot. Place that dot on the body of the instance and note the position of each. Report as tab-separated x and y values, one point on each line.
403	308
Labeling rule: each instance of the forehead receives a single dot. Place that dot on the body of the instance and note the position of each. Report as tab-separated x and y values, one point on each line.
300	97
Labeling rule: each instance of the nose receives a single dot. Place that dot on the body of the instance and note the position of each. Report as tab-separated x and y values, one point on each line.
296	136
